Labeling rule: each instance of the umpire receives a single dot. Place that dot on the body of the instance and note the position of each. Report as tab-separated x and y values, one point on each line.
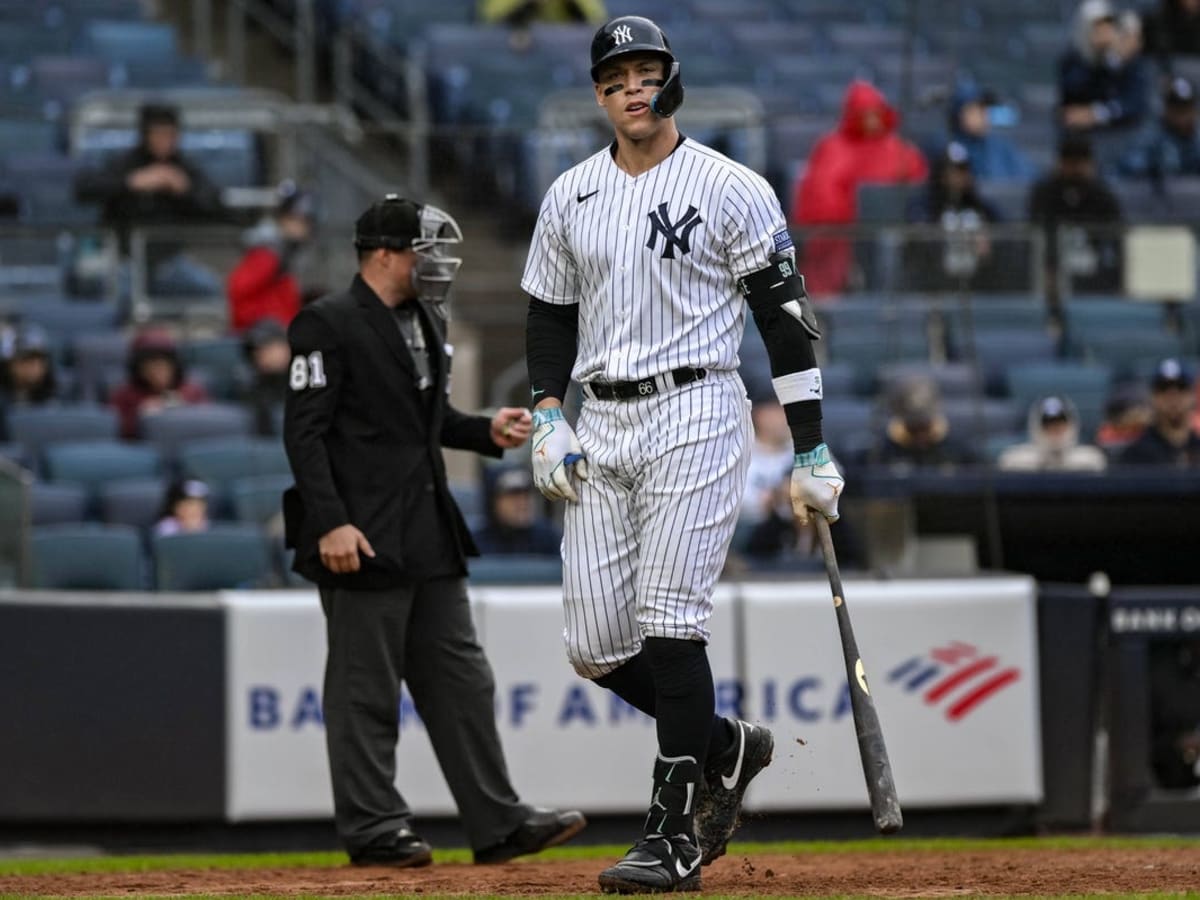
373	523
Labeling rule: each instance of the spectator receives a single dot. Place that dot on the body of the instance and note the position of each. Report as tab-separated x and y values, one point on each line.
1175	713
263	284
524	12
156	381
918	433
1126	415
269	356
1103	80
1171	146
1073	195
152	184
185	508
1169	439
512	524
952	202
1053	442
865	149
1173	30
771	459
990	155
27	375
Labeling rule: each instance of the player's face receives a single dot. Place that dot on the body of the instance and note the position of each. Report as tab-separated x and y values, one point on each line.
1173	405
626	87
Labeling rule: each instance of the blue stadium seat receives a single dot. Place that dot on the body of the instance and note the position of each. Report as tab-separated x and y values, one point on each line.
173	429
93	463
225	460
137	502
953	379
97	358
27	136
1087	385
259	498
130	40
56	504
1004	349
225	556
35	428
68	319
515	569
89	557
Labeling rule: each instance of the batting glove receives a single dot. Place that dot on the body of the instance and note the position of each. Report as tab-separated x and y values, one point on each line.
556	454
816	484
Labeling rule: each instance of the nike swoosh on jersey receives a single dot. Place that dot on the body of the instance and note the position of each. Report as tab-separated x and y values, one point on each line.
730	781
581	197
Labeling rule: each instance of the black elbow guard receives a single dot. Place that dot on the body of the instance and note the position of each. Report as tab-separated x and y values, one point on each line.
780	286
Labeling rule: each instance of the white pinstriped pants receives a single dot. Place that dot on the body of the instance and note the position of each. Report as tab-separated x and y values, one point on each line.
644	546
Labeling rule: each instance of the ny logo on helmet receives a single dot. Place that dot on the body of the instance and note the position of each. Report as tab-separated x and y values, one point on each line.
622	35
677	235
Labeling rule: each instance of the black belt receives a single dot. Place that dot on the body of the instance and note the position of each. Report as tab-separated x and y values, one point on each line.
647	387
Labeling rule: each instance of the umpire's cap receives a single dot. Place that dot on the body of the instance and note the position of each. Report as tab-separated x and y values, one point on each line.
392	223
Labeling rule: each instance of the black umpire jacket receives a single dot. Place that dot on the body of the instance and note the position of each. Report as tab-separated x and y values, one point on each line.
364	442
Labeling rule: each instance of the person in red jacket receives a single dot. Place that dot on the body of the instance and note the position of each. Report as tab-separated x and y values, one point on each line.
156	381
865	149
262	285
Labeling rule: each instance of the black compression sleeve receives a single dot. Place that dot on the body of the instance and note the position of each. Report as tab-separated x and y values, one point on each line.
551	340
790	349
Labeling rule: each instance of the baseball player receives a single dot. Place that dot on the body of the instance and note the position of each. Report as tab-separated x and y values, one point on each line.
642	262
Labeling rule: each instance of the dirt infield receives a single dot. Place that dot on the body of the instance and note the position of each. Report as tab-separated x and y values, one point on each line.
924	873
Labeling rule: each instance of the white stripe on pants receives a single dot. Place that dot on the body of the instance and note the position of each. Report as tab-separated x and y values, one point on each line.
644	546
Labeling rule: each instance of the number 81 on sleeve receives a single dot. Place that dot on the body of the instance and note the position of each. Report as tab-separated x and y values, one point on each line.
307	371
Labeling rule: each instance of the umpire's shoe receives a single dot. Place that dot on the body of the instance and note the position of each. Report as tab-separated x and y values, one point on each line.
655	865
544	828
725	780
400	849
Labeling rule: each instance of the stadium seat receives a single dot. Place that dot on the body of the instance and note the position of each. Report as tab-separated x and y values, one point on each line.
97	359
953	379
515	569
178	427
130	40
68	319
86	557
55	504
1000	349
35	428
224	460
225	556
137	502
93	463
259	498
27	136
1086	385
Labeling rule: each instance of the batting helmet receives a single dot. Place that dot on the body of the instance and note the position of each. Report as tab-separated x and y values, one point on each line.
635	34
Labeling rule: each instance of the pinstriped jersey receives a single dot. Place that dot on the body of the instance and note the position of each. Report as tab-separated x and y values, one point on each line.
653	259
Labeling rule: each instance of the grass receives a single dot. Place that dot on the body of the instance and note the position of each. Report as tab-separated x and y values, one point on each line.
164	862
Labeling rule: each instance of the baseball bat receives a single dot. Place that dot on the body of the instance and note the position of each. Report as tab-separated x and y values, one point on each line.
877	769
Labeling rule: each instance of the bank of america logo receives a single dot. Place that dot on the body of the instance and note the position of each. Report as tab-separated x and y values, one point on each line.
956	678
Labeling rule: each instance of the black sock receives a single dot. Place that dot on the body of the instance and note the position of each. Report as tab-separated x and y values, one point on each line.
633	682
684	699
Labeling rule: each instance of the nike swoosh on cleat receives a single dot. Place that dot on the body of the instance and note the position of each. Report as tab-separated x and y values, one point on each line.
579	198
685	871
730	781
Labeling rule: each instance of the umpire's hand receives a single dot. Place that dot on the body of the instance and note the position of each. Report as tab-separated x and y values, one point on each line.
340	548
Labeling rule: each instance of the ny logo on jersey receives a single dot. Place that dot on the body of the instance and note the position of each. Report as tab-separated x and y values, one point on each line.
676	235
622	35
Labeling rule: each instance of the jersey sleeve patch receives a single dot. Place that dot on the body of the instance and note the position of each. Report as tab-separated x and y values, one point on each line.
783	240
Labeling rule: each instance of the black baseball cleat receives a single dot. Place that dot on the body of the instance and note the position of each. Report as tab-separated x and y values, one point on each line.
400	849
655	865
544	828
725	781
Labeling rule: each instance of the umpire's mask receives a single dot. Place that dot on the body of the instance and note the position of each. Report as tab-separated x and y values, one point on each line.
434	272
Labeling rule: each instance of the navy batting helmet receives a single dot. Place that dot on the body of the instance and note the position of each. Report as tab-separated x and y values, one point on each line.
635	34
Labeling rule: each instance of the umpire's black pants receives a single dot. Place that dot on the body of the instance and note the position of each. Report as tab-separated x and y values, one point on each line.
422	634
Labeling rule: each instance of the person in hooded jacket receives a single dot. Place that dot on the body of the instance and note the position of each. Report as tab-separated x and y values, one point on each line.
156	381
26	372
1053	443
1100	85
513	525
990	155
865	149
263	285
264	387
